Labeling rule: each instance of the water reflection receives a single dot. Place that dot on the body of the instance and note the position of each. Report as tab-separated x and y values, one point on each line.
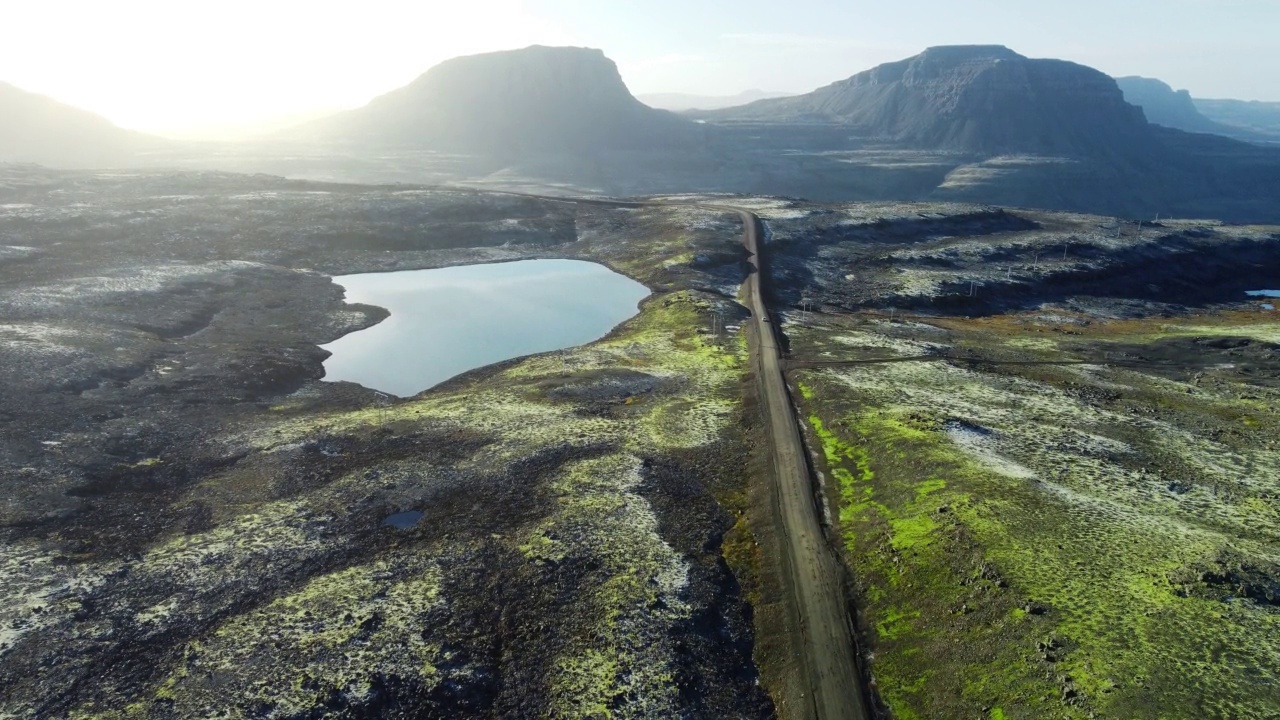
445	322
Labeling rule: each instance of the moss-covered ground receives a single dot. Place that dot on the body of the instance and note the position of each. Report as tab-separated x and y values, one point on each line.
598	533
1069	518
231	556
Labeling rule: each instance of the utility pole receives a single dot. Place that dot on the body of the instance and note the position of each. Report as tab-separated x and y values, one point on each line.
382	400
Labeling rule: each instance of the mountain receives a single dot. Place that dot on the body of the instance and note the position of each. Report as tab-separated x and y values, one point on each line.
38	129
1174	108
535	101
680	102
1260	118
974	98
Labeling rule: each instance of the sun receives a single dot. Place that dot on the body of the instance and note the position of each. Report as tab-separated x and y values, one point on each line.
164	67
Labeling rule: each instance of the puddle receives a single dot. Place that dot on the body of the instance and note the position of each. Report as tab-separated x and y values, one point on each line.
445	322
404	520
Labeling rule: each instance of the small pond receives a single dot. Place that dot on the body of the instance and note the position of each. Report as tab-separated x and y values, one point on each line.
445	322
404	520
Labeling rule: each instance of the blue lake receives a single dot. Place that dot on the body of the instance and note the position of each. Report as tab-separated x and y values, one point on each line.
445	322
1264	293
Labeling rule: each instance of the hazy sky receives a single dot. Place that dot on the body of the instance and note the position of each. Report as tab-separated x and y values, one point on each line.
173	65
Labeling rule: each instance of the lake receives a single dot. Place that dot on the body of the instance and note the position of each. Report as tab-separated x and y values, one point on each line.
447	321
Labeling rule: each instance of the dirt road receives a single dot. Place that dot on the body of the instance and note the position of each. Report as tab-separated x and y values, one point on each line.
826	644
825	647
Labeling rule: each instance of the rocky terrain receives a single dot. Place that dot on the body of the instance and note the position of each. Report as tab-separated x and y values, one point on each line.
195	524
984	260
1047	446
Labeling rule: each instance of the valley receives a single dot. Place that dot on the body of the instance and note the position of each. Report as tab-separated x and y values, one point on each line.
609	528
945	390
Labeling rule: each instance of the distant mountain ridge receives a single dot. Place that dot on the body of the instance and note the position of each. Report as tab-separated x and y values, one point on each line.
1177	109
977	98
680	102
1254	116
537	100
35	128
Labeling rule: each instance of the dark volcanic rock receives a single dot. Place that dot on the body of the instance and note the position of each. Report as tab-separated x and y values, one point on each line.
972	98
530	101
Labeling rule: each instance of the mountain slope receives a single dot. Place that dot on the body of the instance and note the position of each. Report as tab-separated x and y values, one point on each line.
537	100
970	98
38	129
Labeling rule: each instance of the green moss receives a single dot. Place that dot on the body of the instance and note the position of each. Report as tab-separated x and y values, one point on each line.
1043	510
742	552
635	592
335	631
627	653
587	686
895	623
851	468
912	532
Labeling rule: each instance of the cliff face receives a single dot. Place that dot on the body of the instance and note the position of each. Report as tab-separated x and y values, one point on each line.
1168	107
972	98
35	128
535	100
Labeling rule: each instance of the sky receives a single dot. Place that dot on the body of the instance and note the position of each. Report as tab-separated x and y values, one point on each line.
187	67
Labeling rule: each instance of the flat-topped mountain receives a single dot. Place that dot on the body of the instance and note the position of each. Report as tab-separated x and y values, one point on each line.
39	129
978	98
533	101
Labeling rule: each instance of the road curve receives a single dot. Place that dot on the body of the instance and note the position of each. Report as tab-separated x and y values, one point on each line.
825	648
